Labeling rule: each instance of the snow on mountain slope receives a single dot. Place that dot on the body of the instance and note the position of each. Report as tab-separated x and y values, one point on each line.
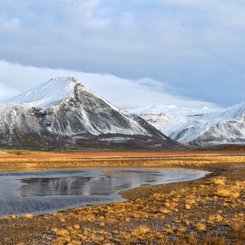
174	110
18	123
165	123
94	115
48	93
170	118
216	126
69	103
63	110
226	127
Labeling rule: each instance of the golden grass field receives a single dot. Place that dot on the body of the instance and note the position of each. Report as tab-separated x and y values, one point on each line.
13	160
205	211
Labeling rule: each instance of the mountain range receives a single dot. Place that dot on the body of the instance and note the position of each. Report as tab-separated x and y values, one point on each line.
63	113
198	126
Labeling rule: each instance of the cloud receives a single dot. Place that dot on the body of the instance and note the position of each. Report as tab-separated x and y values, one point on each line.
6	92
77	34
191	44
124	93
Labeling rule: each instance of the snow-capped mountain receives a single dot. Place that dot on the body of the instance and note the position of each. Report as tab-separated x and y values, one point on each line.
170	118
174	110
165	123
63	112
225	127
200	127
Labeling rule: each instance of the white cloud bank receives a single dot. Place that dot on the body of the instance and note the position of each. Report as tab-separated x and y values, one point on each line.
123	93
6	92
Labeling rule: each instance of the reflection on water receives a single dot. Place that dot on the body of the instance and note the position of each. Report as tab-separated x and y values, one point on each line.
44	192
106	184
53	186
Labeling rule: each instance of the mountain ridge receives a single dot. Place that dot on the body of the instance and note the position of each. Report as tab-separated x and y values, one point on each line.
220	126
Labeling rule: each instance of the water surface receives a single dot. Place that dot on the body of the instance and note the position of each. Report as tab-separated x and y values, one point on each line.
44	192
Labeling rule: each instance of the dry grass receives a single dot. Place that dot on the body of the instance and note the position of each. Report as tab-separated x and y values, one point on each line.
207	211
161	217
31	161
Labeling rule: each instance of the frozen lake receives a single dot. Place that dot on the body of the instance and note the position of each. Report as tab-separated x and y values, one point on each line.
45	192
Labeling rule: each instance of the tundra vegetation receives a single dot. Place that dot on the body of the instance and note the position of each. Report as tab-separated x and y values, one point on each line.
205	211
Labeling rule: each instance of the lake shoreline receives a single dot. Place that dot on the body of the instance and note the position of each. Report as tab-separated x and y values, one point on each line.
211	208
42	193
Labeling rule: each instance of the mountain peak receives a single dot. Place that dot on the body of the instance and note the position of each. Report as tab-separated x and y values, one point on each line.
48	93
64	79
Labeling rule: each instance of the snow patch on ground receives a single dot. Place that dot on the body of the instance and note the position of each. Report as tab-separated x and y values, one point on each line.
117	139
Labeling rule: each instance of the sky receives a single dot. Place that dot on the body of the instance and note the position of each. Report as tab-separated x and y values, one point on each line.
133	52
